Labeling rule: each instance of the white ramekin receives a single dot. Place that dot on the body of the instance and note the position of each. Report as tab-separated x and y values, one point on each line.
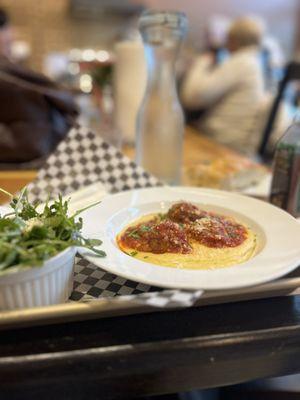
39	286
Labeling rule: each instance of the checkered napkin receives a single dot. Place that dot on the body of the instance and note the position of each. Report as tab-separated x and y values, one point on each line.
91	283
82	159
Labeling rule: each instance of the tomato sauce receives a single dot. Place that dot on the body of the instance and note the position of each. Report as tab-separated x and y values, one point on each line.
157	237
184	223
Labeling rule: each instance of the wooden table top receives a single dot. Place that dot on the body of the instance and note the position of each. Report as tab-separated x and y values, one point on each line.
13	181
197	148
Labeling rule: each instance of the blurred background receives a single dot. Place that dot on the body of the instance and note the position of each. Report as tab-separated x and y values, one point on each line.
93	48
58	26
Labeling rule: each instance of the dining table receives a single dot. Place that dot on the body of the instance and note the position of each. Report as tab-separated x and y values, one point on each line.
153	353
197	148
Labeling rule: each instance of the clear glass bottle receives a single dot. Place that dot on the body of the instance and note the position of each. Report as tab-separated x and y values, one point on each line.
285	188
160	120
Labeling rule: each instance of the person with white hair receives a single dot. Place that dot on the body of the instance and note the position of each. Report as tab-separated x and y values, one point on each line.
232	93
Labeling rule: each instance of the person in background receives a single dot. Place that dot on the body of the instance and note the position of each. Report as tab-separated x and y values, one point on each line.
231	94
215	37
6	35
35	114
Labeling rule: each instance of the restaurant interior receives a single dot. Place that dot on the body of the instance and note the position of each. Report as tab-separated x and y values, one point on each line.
150	199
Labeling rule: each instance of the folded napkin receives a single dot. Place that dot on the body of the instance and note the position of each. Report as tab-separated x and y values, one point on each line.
85	165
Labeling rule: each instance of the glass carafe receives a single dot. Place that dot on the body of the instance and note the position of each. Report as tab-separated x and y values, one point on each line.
160	120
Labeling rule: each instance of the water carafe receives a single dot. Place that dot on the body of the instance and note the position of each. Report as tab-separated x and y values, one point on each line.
160	120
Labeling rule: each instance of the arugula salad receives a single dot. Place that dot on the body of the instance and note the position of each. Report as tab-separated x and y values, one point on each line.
31	234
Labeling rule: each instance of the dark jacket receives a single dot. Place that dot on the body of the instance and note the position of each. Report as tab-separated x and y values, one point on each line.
35	114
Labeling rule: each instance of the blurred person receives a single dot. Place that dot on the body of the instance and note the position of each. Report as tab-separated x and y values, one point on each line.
215	37
6	35
231	94
35	112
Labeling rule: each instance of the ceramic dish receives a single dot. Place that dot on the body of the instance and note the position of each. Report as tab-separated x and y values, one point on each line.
278	238
49	284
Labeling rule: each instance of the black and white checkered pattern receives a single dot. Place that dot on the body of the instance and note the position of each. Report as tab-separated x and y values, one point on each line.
82	159
93	282
165	298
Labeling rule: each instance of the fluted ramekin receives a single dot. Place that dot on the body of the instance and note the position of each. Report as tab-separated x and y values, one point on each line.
39	286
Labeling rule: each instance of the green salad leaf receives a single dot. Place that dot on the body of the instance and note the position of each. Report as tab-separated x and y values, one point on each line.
28	236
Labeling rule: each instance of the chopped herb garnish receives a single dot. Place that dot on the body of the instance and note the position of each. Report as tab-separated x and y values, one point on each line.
29	237
134	234
146	257
162	217
145	228
133	253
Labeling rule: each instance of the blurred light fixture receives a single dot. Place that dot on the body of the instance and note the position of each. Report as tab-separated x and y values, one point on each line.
73	68
86	83
75	54
88	55
102	55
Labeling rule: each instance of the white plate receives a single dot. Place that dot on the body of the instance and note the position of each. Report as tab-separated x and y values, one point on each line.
278	237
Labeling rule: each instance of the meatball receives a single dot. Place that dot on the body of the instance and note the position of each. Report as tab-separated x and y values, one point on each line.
217	232
185	213
163	237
